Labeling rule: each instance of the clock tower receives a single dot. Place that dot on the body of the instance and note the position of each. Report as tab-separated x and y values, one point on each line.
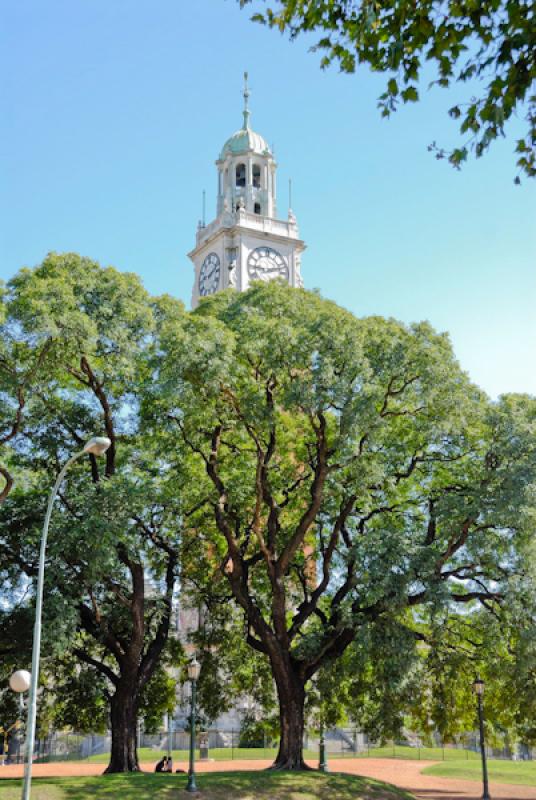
246	242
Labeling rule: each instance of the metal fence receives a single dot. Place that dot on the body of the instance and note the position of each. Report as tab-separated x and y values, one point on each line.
216	744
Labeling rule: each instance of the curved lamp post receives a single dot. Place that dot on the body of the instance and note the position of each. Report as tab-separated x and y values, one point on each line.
478	688
96	446
193	674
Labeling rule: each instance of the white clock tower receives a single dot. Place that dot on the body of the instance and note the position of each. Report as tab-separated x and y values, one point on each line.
246	241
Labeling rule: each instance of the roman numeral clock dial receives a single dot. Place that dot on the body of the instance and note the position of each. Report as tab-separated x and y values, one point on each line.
266	264
209	275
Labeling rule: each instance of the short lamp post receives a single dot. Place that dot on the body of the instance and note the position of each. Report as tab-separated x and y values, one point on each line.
97	447
478	688
322	763
169	726
193	674
19	683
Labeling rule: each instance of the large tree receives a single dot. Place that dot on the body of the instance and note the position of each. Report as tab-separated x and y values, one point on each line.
488	44
351	472
112	560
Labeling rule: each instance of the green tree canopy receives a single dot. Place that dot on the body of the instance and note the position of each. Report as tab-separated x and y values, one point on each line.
113	555
349	471
488	44
18	365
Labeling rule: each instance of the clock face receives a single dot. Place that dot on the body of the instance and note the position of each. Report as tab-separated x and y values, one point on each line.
209	275
265	264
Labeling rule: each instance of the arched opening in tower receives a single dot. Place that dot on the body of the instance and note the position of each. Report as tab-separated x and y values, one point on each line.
240	174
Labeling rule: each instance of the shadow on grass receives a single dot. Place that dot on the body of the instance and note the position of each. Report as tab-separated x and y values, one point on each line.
212	786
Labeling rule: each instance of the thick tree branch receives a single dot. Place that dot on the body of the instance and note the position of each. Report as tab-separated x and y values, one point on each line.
316	493
456	542
99	666
154	650
468	596
8	483
137	602
98	391
309	606
93	624
256	644
391	391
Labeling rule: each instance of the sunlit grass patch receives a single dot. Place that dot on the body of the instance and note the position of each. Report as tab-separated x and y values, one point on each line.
213	786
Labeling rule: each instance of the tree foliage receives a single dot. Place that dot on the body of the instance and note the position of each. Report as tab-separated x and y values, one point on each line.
333	491
112	560
18	366
349	472
488	44
232	675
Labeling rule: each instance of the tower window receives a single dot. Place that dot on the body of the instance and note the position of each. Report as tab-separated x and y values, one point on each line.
256	176
257	208
240	174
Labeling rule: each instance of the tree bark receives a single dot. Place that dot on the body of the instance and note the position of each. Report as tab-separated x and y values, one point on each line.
291	694
124	723
8	484
136	660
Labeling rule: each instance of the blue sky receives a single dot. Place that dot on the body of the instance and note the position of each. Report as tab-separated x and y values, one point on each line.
114	111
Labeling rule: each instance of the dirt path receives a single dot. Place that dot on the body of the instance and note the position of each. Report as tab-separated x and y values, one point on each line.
405	774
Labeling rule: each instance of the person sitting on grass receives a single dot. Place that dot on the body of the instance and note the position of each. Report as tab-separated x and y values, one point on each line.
162	765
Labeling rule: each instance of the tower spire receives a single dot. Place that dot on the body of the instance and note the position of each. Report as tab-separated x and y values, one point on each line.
246	98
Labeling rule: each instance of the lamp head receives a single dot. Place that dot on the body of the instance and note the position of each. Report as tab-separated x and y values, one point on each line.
20	681
98	445
478	686
194	668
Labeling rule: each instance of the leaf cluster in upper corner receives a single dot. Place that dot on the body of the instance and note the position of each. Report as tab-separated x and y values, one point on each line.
488	44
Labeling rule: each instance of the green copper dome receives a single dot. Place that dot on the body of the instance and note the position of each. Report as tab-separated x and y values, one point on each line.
244	141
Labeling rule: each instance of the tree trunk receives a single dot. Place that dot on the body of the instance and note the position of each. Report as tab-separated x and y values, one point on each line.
291	694
124	723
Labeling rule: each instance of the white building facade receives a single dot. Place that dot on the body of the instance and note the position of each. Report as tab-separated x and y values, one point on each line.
246	241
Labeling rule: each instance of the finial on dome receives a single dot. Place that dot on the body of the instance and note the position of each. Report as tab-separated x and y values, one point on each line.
246	98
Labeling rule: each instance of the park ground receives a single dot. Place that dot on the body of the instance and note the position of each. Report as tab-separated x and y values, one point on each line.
349	779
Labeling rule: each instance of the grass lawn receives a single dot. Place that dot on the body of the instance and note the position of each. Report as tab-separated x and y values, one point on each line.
213	786
520	772
147	754
420	753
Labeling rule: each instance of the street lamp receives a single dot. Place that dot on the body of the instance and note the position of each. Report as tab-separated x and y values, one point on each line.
478	688
169	720
193	674
322	763
19	682
96	446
